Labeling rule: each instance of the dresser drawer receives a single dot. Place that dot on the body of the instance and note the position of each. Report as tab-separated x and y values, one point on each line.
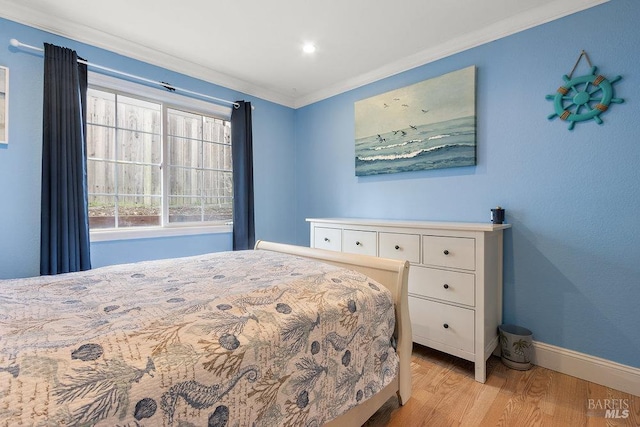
328	238
399	246
359	242
443	323
452	286
456	252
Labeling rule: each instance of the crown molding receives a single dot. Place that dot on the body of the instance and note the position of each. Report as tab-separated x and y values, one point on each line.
85	34
23	14
524	21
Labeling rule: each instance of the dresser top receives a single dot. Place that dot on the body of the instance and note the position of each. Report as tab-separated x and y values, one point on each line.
465	226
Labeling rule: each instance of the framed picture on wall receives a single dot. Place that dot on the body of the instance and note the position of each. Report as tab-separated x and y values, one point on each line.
4	105
427	125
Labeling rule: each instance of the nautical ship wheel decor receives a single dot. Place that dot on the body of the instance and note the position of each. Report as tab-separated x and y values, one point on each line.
585	97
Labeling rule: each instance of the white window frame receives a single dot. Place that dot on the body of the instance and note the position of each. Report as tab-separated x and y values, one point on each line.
170	100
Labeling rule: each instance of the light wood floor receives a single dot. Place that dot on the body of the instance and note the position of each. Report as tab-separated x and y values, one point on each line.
444	393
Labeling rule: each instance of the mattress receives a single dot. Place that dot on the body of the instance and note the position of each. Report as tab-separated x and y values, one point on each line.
234	338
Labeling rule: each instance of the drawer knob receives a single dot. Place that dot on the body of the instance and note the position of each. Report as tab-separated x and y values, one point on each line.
446	252
326	239
397	247
446	326
446	286
357	243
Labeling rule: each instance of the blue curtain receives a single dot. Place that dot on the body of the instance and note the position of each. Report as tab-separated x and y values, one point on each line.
242	155
64	245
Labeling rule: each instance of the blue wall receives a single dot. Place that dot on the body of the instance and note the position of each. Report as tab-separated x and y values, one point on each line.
572	258
134	250
20	162
572	270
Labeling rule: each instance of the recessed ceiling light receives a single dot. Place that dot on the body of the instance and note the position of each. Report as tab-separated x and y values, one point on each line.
308	48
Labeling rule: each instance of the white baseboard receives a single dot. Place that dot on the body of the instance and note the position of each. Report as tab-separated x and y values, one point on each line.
600	371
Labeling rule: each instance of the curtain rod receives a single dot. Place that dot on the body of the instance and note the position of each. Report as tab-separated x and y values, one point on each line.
16	43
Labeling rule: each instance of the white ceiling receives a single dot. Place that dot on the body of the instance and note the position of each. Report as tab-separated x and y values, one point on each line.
254	46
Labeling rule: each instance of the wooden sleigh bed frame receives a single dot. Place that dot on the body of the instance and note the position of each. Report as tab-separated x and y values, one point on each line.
393	275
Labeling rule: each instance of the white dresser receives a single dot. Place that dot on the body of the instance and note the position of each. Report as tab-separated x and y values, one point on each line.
455	278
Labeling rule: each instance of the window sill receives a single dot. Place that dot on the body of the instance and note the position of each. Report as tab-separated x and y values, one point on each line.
153	232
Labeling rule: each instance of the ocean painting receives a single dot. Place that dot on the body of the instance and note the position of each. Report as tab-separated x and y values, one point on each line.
428	125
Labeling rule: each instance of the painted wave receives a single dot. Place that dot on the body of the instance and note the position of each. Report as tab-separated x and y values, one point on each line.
436	145
449	156
401	144
400	156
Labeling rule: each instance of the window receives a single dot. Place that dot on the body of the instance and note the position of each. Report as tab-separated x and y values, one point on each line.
200	182
154	164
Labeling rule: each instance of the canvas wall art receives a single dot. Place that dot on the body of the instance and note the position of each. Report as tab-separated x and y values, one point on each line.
428	125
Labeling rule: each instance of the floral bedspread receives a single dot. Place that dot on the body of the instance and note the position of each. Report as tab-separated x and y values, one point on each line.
227	339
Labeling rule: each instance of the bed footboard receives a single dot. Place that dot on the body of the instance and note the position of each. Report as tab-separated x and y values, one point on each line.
393	274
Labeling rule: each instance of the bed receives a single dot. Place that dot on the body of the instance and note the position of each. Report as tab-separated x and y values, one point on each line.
278	336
